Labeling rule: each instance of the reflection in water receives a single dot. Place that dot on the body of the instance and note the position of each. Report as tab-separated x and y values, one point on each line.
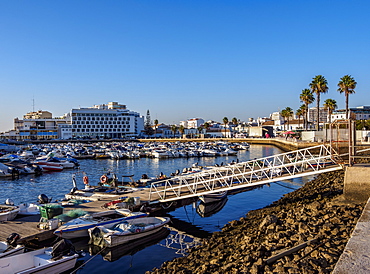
207	210
180	242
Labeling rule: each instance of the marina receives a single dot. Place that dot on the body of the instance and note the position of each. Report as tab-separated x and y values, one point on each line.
57	184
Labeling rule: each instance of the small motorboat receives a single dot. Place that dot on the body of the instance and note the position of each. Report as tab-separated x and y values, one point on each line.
49	166
213	197
8	212
78	227
26	209
10	247
56	259
126	231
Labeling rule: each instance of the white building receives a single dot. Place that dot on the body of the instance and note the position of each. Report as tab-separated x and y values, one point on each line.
359	113
110	120
192	123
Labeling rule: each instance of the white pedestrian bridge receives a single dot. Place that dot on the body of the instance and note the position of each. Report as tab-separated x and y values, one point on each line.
304	162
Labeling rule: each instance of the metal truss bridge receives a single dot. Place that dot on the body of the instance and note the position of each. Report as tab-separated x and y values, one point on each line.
309	161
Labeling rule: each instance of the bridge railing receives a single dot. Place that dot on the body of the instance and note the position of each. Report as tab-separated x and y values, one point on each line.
287	165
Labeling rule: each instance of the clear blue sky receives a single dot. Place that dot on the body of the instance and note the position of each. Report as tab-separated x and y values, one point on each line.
179	59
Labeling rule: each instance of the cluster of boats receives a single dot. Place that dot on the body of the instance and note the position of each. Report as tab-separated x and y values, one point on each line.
14	165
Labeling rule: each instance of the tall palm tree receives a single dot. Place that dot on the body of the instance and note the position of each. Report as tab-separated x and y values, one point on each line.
347	85
319	85
330	105
200	129
299	113
304	111
181	130
155	127
225	121
307	98
287	113
174	129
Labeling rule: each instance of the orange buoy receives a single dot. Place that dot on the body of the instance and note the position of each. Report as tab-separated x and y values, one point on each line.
103	179
86	180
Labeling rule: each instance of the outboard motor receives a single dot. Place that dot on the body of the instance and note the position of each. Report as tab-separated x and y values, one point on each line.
43	199
62	248
144	176
12	239
9	202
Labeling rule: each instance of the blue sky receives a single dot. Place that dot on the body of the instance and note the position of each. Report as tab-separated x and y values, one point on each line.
179	59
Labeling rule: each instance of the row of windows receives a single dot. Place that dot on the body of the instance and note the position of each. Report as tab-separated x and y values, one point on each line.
99	114
101	130
101	126
101	122
101	118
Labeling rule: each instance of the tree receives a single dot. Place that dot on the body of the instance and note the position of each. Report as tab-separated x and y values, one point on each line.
181	130
234	121
174	129
318	85
200	129
299	113
347	85
330	105
307	98
148	130
287	113
155	127
225	121
304	110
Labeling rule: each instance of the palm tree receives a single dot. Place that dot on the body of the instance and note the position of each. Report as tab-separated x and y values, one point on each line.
307	98
347	84
299	113
287	113
181	130
319	85
330	105
155	127
303	109
225	121
174	129
200	129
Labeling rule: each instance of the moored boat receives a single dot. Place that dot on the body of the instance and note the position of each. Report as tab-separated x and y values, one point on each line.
213	197
78	227
8	212
42	261
126	231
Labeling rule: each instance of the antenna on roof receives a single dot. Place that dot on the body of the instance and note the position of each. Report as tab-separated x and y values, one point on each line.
33	103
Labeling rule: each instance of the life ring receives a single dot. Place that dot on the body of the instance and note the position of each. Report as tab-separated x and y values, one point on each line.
86	180
103	179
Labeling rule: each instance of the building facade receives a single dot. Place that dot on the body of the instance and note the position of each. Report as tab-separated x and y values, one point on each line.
110	120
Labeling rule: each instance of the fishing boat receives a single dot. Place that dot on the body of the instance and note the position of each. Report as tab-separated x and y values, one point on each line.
42	261
8	212
8	249
213	197
126	231
28	209
79	227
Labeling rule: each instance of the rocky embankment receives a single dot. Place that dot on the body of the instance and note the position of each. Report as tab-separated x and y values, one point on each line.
308	223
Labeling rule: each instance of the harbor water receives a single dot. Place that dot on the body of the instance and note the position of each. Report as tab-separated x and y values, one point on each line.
188	224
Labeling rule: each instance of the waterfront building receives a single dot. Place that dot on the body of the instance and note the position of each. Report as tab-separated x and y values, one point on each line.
110	120
359	113
192	123
35	125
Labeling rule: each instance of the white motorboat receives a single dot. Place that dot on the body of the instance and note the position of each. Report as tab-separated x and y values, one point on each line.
213	197
39	261
8	212
26	209
8	250
126	231
78	227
